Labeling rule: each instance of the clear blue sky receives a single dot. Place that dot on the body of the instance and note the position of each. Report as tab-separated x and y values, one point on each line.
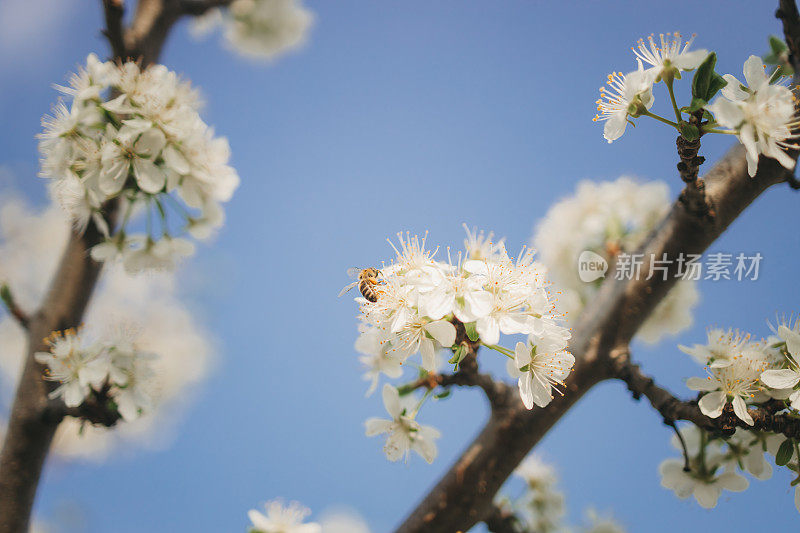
400	116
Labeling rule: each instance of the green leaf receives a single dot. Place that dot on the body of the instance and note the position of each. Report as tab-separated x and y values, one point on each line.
696	105
707	82
458	354
5	294
689	131
777	51
442	395
784	454
717	83
472	333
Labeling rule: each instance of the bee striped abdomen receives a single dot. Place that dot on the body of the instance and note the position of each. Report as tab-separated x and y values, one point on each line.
367	288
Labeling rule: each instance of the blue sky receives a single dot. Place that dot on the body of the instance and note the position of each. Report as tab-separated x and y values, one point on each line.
398	116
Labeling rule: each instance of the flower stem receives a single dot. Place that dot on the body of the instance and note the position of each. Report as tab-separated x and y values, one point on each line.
669	82
660	119
500	349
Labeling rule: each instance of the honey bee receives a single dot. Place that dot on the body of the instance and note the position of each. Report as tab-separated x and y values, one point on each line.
367	281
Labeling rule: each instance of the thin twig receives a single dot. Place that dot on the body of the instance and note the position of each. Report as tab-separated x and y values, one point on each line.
673	409
11	305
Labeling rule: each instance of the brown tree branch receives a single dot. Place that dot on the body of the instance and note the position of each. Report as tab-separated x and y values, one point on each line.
501	520
7	297
673	409
114	10
200	7
34	419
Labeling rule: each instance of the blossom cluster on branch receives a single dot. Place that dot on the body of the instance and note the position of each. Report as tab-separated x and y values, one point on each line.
261	29
135	136
743	373
421	303
116	370
149	307
760	113
608	218
280	517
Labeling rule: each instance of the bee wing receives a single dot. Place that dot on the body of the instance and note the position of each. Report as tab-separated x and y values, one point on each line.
348	287
353	272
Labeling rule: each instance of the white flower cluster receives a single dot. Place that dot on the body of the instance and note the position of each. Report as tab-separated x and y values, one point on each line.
608	218
259	28
421	303
743	373
280	518
631	95
135	135
761	114
541	508
713	464
31	243
83	368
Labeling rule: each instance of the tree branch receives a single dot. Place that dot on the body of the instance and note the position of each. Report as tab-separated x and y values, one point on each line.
200	7
114	11
34	419
11	305
501	520
673	409
464	494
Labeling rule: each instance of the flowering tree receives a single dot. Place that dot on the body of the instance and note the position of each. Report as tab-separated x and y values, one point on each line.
461	304
139	177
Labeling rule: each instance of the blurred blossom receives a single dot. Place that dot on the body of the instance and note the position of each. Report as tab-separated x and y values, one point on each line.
31	243
607	218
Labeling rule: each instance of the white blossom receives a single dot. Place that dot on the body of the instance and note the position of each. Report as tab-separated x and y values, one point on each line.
628	95
540	369
736	382
404	433
377	362
789	377
747	449
31	243
262	29
75	364
761	114
702	480
670	56
608	218
147	149
282	519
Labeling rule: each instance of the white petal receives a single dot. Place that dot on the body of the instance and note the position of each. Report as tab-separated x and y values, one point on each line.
525	392
615	126
522	354
376	426
740	408
150	178
733	91
703	384
391	400
712	403
754	73
707	495
780	379
443	331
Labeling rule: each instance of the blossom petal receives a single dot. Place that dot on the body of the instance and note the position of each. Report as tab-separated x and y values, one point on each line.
391	400
443	331
740	408
754	73
780	379
704	384
615	126
522	354
712	403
